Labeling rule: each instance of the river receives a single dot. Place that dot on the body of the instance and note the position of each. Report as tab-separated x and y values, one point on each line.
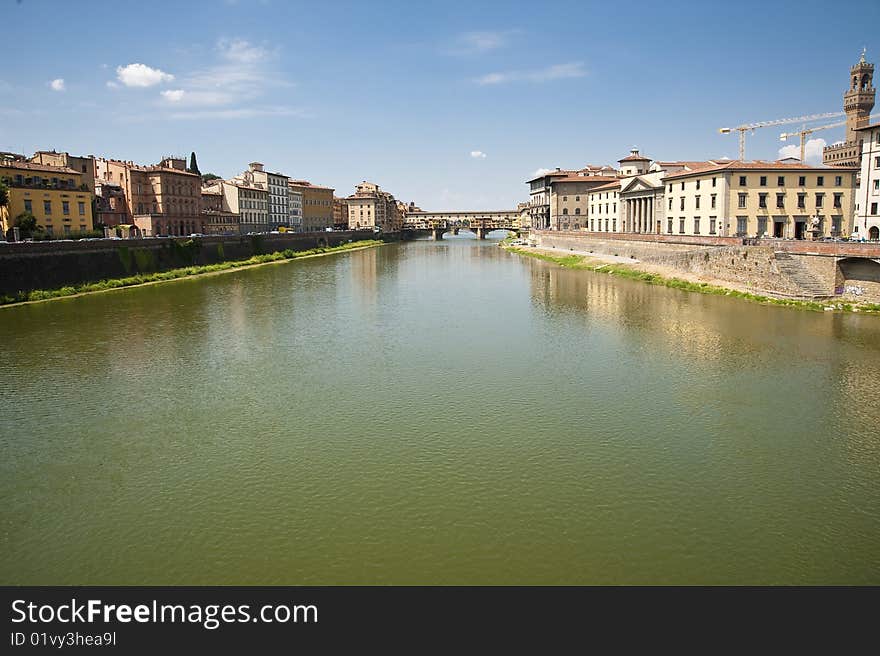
438	413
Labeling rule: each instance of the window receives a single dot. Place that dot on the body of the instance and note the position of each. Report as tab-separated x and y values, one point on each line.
763	181
681	205
28	207
762	201
819	199
577	198
780	181
802	181
47	207
712	222
682	186
780	200
838	180
874	208
67	230
669	226
714	181
698	202
65	207
820	181
577	210
742	181
741	225
606	225
802	201
564	211
762	226
698	184
835	225
713	201
591	225
837	200
696	225
877	159
670	203
614	225
742	200
681	225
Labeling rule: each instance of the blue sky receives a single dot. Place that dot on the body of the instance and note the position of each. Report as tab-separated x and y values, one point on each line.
452	105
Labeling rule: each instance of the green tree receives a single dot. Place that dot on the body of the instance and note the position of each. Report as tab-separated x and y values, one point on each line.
27	224
193	165
207	177
4	195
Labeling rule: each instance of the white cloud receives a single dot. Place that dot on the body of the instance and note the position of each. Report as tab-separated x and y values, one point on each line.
242	52
57	84
173	95
555	72
478	154
812	151
541	172
141	75
478	42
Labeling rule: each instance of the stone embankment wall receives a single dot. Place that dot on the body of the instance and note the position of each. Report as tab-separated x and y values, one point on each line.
781	268
26	266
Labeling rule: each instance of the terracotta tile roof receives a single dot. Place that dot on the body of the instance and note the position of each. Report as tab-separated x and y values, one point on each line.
635	158
31	166
756	165
584	178
607	187
554	173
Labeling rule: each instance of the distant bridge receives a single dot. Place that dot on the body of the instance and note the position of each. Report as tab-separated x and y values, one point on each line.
480	223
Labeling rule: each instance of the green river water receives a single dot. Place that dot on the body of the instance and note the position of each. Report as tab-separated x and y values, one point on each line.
435	413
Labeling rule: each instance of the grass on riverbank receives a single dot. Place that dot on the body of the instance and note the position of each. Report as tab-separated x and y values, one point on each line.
175	274
627	271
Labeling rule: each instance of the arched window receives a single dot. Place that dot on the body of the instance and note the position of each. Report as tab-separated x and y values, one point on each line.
565	211
577	210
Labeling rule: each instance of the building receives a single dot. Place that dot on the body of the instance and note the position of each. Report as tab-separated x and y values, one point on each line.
111	209
56	196
161	199
558	199
603	214
340	213
782	199
858	101
867	218
295	208
248	201
317	205
84	165
217	218
277	195
370	207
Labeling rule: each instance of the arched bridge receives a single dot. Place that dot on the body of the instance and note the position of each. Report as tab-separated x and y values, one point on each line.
480	223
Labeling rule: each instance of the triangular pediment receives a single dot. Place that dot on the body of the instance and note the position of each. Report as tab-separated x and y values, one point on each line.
637	184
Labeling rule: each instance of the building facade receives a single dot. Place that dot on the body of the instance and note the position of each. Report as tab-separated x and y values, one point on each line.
370	207
161	199
867	217
295	208
858	101
603	214
249	202
787	200
277	195
217	218
84	165
317	205
56	196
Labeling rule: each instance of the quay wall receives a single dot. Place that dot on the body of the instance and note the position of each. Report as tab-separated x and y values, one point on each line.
776	267
25	266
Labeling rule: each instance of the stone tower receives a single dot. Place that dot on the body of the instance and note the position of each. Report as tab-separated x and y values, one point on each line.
858	101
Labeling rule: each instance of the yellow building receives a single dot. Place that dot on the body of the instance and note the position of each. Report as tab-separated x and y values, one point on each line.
781	199
55	195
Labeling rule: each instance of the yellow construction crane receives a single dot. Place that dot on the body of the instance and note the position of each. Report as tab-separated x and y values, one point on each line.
805	132
751	127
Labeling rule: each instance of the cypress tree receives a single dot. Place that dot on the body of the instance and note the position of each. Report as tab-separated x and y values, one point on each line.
193	165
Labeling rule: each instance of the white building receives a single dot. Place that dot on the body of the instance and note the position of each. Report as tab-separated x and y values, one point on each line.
867	212
278	196
295	208
249	201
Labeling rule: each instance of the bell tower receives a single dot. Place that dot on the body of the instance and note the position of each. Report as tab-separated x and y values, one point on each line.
858	101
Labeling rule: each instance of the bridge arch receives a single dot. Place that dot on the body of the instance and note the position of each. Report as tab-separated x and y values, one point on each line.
859	277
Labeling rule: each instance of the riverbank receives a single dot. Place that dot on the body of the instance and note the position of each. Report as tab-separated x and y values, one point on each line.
635	270
287	255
